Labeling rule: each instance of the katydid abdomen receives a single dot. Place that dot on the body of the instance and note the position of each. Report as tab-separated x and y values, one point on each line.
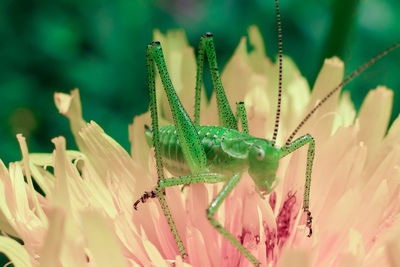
216	142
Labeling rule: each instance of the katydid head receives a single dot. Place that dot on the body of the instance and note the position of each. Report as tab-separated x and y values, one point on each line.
263	162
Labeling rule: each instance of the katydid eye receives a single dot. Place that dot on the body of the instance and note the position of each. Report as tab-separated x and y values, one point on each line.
260	154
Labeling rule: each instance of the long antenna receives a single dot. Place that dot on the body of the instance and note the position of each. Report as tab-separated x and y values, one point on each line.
278	109
346	80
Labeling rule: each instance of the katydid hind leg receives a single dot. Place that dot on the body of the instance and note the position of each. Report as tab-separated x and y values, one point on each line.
151	57
225	113
289	148
192	149
241	115
187	134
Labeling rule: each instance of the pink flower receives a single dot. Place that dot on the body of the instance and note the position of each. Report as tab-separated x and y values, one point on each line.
86	218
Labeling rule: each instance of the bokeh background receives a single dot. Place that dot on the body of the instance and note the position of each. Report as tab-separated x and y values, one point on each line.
99	47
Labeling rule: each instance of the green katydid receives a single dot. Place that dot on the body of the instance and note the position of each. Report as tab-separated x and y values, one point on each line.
212	154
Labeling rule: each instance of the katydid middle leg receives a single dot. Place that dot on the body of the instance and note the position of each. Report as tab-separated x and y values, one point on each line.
289	148
213	208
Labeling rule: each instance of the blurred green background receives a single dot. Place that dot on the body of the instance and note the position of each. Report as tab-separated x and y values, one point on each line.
99	47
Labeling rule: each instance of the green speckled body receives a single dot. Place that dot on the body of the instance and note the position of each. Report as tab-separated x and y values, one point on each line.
213	140
228	151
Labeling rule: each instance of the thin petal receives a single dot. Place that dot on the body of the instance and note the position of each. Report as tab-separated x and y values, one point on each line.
102	241
330	76
15	252
345	112
70	106
154	255
52	245
374	118
294	258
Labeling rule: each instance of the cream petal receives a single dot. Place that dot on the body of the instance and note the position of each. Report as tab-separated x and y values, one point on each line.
70	106
38	165
15	252
293	257
297	96
390	140
330	76
161	230
374	118
256	103
368	225
110	160
6	215
197	246
139	147
102	242
236	74
61	195
26	165
257	58
53	243
345	113
200	200
154	256
355	252
337	183
393	248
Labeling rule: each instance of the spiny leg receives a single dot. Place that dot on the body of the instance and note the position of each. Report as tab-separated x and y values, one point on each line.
144	198
212	209
289	148
187	134
181	180
242	116
192	179
226	117
157	148
192	149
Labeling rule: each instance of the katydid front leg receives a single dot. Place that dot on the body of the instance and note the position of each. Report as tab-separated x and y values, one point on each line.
287	149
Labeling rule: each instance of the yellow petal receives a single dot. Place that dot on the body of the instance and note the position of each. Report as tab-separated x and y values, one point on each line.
111	161
51	249
70	106
329	77
14	251
26	164
393	248
374	118
139	147
154	254
60	196
345	113
294	258
257	57
5	213
102	241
